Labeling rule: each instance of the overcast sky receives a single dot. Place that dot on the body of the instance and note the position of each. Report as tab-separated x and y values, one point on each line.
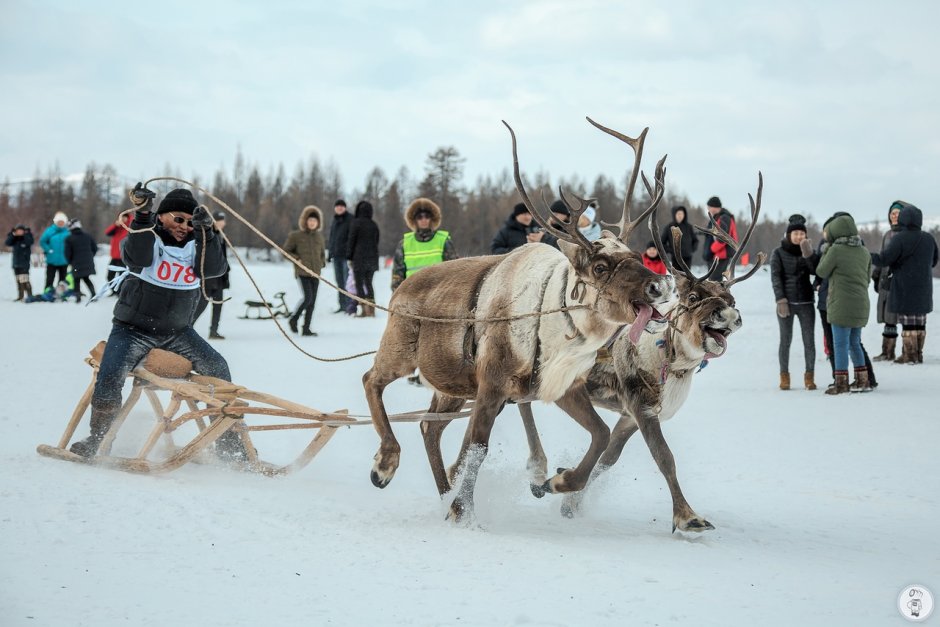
836	102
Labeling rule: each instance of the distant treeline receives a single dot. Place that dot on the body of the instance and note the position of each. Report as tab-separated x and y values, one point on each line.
273	201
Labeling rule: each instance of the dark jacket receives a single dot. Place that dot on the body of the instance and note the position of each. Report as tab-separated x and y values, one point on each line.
339	236
220	282
790	274
909	256
22	246
363	244
510	236
714	248
847	265
306	245
689	237
151	308
80	249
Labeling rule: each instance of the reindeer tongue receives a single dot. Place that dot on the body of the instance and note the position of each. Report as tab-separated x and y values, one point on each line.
643	315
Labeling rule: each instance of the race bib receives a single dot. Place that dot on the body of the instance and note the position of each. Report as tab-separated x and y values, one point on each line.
172	267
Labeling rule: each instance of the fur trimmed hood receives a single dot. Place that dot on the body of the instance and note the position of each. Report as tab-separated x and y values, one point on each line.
423	204
310	210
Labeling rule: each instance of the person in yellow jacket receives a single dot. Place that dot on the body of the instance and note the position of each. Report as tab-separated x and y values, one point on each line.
427	244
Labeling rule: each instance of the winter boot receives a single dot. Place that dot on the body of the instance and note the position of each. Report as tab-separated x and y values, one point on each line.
887	348
908	348
231	448
808	381
308	333
292	323
920	337
841	384
371	308
215	335
100	423
861	381
28	290
784	380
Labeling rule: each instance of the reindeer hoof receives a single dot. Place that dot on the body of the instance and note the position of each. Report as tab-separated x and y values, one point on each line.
566	510
458	512
538	491
694	524
378	482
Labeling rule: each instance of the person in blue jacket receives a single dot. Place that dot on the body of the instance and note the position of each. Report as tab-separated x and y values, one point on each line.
52	242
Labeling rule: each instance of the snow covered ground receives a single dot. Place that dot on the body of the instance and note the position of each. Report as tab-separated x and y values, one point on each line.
825	507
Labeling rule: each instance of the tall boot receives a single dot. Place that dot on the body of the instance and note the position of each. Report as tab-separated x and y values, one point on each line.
887	348
19	292
371	306
28	290
861	380
841	385
920	337
784	380
908	348
101	420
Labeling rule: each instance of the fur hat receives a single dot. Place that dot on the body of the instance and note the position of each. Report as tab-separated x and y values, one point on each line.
60	217
423	205
714	201
796	223
560	207
310	211
75	224
178	200
520	208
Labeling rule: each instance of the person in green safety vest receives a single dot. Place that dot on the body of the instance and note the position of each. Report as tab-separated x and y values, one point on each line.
427	244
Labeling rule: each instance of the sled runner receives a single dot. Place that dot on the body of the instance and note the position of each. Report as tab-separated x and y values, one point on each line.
258	310
225	406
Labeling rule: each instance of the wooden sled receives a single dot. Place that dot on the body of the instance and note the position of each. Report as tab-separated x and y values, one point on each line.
226	405
259	310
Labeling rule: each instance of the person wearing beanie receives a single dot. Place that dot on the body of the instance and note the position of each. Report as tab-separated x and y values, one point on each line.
52	242
80	249
792	265
909	258
216	286
20	239
362	248
426	244
881	282
689	243
339	235
652	260
847	265
715	249
167	256
308	246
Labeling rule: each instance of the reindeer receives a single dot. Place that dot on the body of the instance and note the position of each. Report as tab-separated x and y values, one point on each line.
495	361
647	381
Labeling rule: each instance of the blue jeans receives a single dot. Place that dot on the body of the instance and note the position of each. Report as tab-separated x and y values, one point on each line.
847	342
341	272
127	345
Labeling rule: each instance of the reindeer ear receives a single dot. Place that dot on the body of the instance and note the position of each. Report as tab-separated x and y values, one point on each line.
577	256
606	233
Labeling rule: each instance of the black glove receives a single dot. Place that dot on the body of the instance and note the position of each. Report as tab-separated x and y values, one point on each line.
141	197
201	218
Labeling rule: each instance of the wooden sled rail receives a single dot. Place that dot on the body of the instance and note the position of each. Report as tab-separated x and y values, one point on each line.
226	406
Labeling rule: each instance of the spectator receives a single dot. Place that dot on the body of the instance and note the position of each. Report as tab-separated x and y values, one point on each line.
425	245
216	286
339	235
117	233
155	306
52	242
362	249
722	218
689	237
791	265
80	249
588	225
847	265
307	245
517	231
651	259
909	258
881	279
20	239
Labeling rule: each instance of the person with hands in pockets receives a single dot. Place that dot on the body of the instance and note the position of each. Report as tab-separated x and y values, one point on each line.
158	295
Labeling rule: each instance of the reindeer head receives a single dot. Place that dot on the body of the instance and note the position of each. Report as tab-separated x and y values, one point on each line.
706	314
609	276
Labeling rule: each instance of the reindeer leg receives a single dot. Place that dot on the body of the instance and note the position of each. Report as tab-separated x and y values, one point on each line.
487	406
431	431
537	464
683	517
388	456
622	431
577	404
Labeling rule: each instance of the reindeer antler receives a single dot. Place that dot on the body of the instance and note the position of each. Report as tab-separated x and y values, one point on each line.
569	231
761	257
625	226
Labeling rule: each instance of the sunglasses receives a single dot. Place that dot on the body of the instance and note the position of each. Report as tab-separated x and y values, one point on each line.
180	220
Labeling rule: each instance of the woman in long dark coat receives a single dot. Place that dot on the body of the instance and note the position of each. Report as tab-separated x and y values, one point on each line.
80	249
362	250
882	286
909	258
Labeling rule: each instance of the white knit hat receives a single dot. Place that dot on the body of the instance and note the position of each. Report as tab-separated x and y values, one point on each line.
60	217
590	213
